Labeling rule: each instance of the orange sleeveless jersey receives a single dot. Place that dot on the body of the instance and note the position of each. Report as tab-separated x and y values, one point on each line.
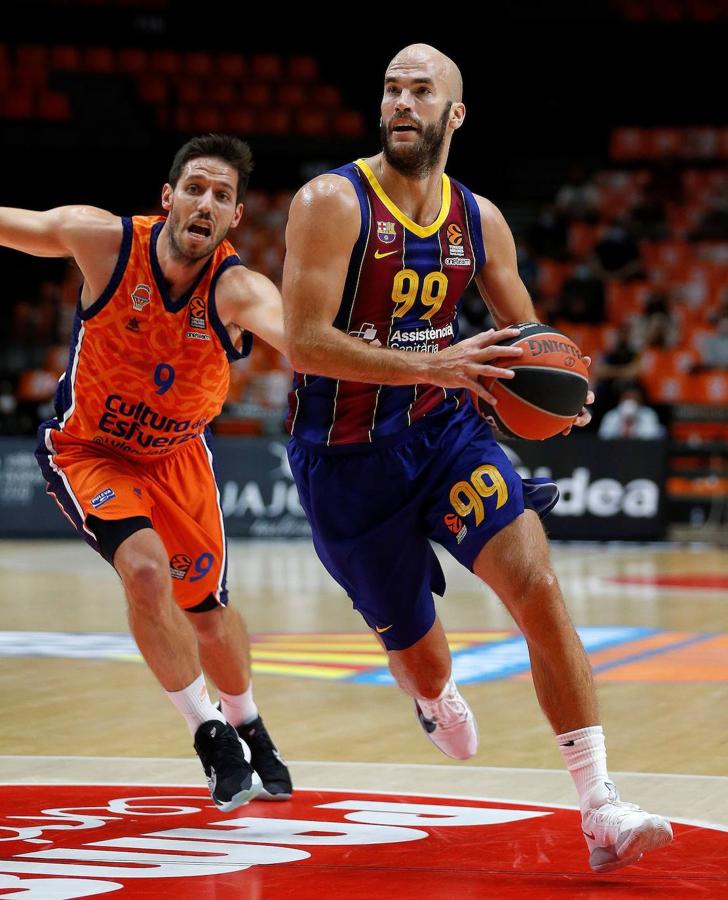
146	372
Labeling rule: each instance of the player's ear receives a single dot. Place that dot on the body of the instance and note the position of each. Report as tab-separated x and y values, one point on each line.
167	196
457	115
238	215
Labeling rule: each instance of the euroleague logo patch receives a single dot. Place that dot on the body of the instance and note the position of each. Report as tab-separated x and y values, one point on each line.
65	842
456	525
198	313
453	522
179	566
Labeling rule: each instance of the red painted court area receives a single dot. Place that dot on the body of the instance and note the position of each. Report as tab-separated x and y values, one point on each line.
64	842
710	582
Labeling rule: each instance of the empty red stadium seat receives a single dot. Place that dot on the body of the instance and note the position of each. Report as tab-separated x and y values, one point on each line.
197	63
189	90
206	118
267	67
302	68
132	61
240	121
292	94
230	65
629	143
166	62
31	55
18	104
53	106
326	95
312	122
256	94
65	58
349	124
274	121
99	59
221	92
153	89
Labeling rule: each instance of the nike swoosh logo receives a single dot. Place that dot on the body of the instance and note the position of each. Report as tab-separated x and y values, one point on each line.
590	836
379	255
382	630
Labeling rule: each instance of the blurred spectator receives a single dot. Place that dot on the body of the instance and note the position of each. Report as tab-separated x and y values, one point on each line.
631	418
549	234
527	267
473	315
649	215
582	297
714	347
714	224
659	332
616	370
578	199
657	328
8	408
618	253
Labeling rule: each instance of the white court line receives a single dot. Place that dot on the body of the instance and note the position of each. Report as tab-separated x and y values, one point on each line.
343	764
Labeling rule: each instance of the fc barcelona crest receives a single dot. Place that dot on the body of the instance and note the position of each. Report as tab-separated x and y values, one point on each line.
386	232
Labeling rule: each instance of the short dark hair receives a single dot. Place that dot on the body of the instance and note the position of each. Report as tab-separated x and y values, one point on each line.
222	146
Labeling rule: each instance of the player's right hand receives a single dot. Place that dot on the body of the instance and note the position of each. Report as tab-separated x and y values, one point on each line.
465	364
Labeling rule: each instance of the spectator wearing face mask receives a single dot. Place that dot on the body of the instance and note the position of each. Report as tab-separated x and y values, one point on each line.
631	419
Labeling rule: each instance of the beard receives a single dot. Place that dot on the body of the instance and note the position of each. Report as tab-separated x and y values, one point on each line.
419	158
176	230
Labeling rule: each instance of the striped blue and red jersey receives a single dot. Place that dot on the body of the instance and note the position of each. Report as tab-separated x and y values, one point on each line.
402	290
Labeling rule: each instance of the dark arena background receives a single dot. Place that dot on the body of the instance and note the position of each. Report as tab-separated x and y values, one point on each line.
600	130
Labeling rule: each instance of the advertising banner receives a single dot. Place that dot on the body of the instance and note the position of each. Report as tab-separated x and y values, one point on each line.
610	490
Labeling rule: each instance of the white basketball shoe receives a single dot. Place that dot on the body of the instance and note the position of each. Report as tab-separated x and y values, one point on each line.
618	833
449	723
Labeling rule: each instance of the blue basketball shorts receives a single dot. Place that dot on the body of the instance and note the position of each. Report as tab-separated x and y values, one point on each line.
374	509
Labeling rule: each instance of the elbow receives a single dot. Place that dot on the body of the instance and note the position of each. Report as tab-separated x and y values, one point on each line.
299	355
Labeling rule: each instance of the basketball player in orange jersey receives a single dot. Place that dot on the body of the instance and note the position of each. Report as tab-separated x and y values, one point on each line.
165	305
387	451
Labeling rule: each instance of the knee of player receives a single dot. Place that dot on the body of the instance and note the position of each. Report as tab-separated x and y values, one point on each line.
145	578
532	589
209	626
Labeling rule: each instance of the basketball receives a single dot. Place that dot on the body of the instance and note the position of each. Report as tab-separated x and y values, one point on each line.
548	390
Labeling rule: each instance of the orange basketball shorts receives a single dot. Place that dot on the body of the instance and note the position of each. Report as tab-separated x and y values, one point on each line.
177	493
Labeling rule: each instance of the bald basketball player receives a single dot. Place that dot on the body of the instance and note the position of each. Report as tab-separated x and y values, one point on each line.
387	451
165	306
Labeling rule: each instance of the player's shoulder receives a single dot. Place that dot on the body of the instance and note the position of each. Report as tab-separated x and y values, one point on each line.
90	221
489	212
242	284
330	194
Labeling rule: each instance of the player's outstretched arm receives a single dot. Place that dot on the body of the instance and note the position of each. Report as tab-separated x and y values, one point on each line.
323	226
53	232
251	302
91	236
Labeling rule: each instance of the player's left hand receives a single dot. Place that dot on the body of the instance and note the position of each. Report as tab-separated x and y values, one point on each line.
584	417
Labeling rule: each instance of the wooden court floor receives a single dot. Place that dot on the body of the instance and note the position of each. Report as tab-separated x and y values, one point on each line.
655	620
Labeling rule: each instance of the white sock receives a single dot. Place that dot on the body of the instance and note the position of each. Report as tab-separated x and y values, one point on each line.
195	705
239	709
585	756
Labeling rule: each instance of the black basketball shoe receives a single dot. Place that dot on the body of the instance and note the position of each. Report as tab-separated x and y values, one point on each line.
230	777
267	761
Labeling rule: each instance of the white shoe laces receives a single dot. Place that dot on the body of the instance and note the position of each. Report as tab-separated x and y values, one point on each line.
450	709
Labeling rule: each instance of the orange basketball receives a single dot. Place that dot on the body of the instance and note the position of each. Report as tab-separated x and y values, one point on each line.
548	390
